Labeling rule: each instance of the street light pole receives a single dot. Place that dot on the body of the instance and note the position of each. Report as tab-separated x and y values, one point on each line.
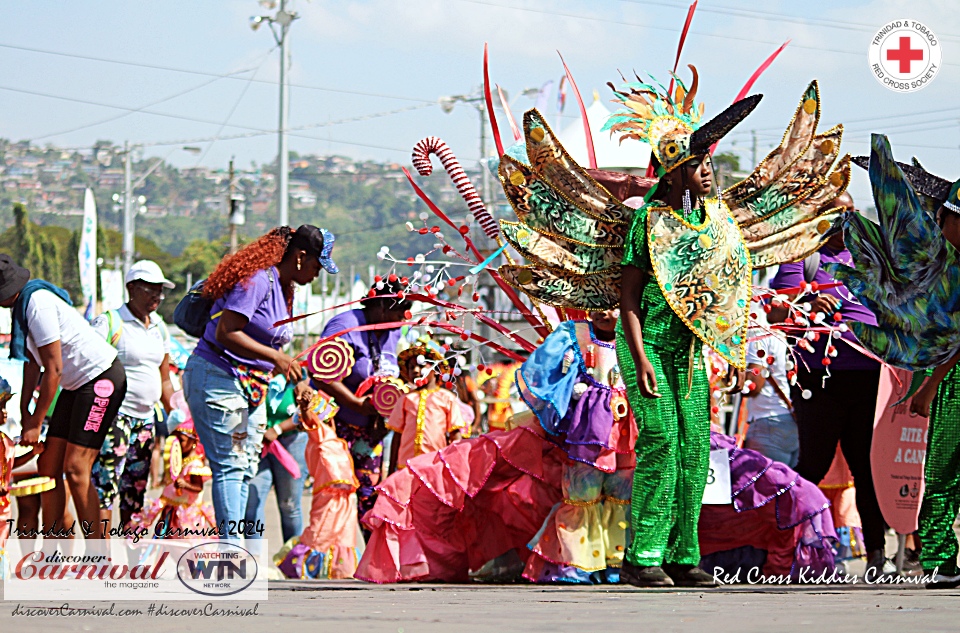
484	172
128	218
283	158
283	19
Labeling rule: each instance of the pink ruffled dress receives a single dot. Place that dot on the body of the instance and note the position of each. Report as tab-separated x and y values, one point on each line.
328	547
6	500
555	491
180	508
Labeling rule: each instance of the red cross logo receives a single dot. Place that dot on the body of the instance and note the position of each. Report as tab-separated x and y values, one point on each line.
905	55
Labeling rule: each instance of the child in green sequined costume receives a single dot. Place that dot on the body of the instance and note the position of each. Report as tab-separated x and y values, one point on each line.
907	272
662	364
939	397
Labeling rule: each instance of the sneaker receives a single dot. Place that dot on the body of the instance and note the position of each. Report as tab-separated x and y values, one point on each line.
644	576
943	582
689	576
879	567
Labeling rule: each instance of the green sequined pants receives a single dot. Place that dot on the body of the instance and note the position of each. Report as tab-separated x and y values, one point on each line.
673	456
941	496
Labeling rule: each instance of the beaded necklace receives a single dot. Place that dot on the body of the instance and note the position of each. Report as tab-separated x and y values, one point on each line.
421	416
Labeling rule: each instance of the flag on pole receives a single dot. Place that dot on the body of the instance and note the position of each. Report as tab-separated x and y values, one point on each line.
543	97
88	253
562	95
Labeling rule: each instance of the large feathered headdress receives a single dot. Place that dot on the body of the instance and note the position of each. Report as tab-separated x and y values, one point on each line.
672	124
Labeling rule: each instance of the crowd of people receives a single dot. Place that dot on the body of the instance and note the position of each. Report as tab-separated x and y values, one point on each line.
599	475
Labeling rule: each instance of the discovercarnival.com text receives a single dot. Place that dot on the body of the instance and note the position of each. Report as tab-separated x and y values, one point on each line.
154	610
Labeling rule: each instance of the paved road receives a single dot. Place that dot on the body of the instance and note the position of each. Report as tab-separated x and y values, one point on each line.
349	606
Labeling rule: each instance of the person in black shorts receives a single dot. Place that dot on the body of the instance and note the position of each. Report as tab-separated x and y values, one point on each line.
60	349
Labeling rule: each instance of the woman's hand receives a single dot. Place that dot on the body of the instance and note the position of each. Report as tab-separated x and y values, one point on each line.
921	401
647	379
288	367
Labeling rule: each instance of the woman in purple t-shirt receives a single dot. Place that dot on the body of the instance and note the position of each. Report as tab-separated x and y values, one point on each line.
226	378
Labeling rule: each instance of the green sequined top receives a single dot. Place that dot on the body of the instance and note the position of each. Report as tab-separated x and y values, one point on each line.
661	326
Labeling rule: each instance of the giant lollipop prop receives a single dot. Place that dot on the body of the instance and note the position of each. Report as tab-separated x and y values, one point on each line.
330	361
387	392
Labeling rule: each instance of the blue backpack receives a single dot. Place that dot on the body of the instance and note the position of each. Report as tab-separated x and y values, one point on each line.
193	312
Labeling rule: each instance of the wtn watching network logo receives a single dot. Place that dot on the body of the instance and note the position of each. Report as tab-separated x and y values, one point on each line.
217	568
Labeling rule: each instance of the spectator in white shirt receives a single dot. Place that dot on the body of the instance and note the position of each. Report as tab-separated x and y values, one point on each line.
54	340
773	429
143	345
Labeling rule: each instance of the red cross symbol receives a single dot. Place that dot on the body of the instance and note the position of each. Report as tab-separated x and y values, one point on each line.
905	55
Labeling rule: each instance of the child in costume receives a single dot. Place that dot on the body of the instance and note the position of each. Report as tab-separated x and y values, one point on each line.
330	545
180	505
907	272
572	383
428	418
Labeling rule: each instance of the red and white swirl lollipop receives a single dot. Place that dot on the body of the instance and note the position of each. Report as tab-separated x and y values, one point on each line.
387	393
330	361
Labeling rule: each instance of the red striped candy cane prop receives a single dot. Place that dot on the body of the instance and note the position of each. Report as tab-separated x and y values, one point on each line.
421	161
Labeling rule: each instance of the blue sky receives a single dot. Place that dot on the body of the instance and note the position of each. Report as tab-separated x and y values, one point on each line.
404	54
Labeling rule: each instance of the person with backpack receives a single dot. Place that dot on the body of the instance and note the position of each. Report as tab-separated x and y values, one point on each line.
142	342
241	346
61	350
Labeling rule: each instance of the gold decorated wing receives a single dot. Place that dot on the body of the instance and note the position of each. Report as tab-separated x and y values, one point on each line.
781	206
570	227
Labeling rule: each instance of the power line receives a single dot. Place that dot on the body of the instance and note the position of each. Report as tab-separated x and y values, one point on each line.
236	104
594	18
353	119
207	74
134	110
116	107
768	16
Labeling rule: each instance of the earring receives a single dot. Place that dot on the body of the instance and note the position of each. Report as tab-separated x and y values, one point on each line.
298	263
687	206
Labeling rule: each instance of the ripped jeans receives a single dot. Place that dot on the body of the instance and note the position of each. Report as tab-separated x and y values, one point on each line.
230	431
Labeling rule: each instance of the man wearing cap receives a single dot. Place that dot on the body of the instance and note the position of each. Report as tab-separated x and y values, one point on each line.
143	346
61	350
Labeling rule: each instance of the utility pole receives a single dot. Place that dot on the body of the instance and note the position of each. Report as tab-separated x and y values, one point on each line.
280	26
233	226
128	218
283	157
484	172
753	149
235	209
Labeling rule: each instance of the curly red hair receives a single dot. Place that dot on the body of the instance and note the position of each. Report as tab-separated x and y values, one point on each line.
266	251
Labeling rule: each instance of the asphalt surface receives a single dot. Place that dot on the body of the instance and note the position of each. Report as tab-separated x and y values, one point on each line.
350	606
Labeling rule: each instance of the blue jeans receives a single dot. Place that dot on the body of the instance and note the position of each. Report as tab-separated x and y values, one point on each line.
289	490
775	437
230	431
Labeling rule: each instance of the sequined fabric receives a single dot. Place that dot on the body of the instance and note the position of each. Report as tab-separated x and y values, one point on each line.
941	497
673	451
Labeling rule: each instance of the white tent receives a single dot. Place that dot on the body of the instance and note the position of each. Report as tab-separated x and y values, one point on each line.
631	155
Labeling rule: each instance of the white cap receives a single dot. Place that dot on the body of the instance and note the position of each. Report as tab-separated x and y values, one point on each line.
148	271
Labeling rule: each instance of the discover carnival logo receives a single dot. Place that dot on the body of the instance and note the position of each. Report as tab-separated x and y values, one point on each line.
905	55
117	569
